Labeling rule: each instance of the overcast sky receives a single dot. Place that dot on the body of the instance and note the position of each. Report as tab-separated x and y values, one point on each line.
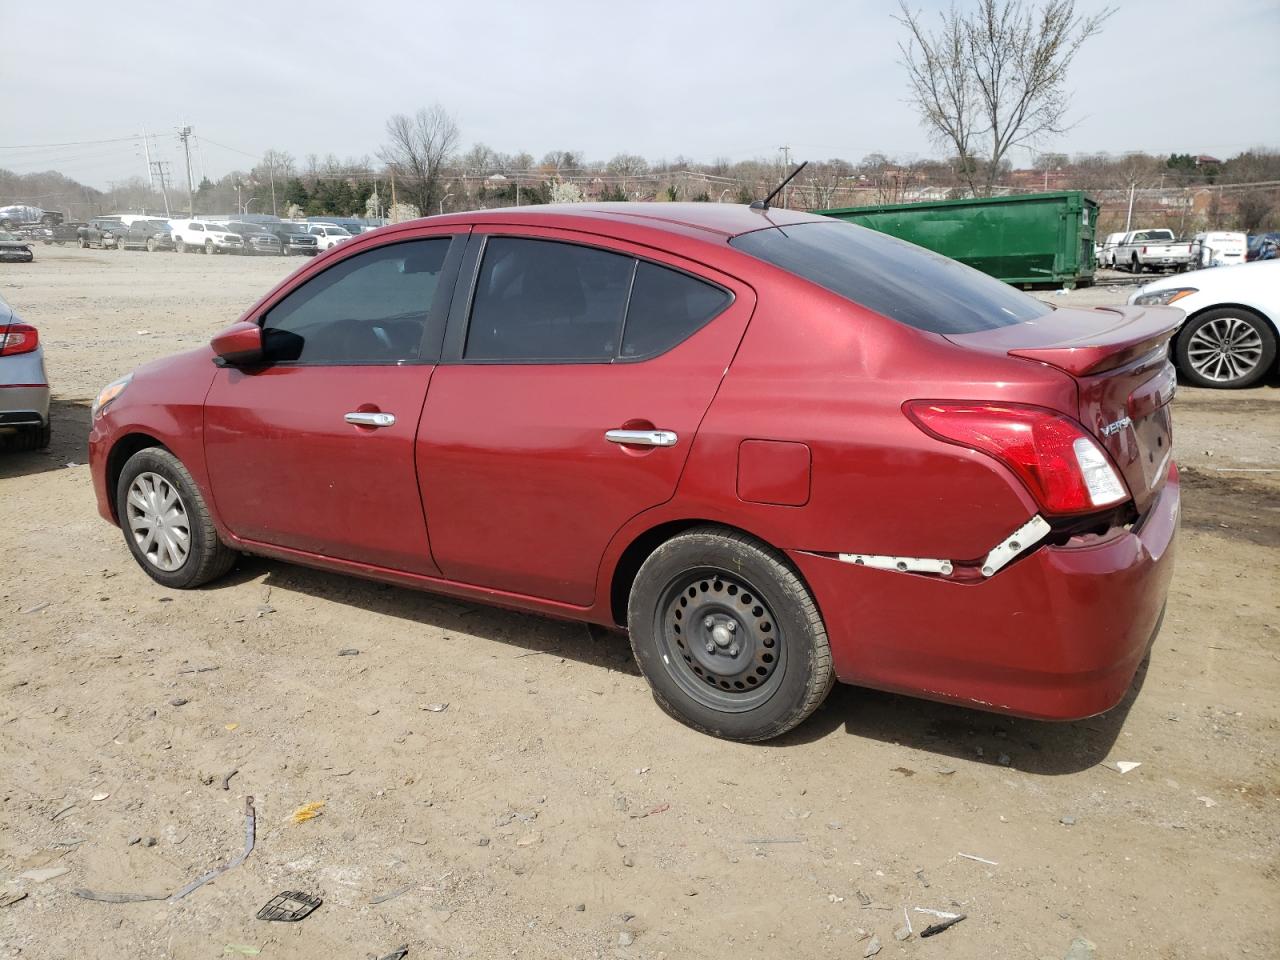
702	79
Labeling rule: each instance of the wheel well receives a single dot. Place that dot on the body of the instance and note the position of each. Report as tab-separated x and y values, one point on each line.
125	448
624	573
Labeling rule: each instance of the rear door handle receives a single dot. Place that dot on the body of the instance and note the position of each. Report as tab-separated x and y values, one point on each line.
643	438
362	419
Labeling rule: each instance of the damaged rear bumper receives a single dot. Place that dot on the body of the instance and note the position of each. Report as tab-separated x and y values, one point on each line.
1057	635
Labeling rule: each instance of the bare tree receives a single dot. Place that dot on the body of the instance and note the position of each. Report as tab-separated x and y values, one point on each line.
420	146
994	78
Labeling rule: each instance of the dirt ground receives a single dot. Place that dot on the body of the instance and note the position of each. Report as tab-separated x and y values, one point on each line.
551	810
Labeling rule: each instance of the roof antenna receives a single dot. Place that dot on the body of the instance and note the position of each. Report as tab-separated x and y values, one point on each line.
764	204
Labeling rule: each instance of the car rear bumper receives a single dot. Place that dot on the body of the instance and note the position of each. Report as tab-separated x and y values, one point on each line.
24	405
1056	635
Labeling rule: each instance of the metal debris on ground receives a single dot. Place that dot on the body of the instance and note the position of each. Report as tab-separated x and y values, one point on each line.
349	652
1124	766
290	906
970	856
660	808
108	897
936	913
250	822
308	811
9	899
397	954
200	670
936	928
226	781
435	707
391	895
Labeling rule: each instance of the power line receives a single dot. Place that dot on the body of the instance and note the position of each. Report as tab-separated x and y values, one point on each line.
69	143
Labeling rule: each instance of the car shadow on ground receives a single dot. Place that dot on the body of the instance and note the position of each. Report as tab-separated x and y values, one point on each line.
941	733
70	443
526	634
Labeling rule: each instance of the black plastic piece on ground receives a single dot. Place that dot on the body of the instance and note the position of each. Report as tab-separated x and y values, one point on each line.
289	906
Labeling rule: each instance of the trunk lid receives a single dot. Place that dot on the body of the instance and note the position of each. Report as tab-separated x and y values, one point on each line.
1119	360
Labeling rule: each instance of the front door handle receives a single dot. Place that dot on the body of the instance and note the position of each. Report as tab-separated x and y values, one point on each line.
362	419
643	438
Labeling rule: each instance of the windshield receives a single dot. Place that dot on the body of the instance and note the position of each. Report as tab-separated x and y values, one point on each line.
904	282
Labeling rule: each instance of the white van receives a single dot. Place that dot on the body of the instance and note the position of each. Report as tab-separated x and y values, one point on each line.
1107	252
1220	249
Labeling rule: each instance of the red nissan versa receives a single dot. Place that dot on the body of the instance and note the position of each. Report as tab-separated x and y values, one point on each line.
779	449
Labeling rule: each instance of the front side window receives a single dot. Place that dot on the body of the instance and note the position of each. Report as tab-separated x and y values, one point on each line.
369	308
544	300
896	279
196	226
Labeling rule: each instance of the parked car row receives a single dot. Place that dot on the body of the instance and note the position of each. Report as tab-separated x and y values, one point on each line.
1158	250
198	235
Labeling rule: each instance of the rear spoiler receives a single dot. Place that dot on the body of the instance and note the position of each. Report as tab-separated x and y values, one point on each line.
1139	331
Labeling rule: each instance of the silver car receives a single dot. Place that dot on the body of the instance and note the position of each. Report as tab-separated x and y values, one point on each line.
24	385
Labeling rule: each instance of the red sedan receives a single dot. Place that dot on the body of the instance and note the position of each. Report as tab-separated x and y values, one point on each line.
778	449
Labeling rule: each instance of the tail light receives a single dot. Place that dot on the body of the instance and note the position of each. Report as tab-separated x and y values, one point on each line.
1144	249
1063	467
18	338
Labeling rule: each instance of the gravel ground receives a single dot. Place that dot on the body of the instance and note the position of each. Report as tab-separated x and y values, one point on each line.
550	810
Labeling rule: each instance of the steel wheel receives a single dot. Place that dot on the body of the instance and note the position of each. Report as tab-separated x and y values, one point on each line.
158	521
719	640
1225	349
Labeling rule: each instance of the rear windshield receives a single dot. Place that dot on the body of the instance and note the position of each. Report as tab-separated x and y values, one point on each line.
904	282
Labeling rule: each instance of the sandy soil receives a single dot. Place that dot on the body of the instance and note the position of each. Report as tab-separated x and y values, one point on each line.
551	810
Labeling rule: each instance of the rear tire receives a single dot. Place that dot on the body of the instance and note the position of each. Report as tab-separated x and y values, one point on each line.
30	438
769	663
157	529
180	246
208	248
1135	267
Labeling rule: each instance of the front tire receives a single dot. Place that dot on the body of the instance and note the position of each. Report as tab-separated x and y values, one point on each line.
208	248
1228	348
166	522
728	635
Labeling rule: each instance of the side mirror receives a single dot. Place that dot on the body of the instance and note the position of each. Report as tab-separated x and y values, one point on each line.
239	344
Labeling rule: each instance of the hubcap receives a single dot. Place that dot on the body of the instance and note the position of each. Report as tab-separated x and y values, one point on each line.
719	640
1225	349
158	521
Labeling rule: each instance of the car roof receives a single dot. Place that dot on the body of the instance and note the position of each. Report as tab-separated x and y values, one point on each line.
725	220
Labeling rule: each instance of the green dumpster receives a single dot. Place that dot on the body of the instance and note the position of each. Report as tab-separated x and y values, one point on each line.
1027	239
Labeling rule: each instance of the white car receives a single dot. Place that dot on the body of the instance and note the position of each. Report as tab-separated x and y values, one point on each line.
1233	315
328	235
206	236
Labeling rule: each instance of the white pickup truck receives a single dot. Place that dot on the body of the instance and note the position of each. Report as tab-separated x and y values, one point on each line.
1153	249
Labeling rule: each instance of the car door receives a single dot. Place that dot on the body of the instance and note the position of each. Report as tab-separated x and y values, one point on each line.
571	385
313	450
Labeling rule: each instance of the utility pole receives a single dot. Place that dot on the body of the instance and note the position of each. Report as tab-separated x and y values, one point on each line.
184	134
159	167
786	165
1128	220
146	151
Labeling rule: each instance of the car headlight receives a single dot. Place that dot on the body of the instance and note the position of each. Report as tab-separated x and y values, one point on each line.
108	394
1163	297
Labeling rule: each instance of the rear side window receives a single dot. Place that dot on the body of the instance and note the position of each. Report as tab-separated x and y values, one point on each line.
904	282
543	300
369	308
666	307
